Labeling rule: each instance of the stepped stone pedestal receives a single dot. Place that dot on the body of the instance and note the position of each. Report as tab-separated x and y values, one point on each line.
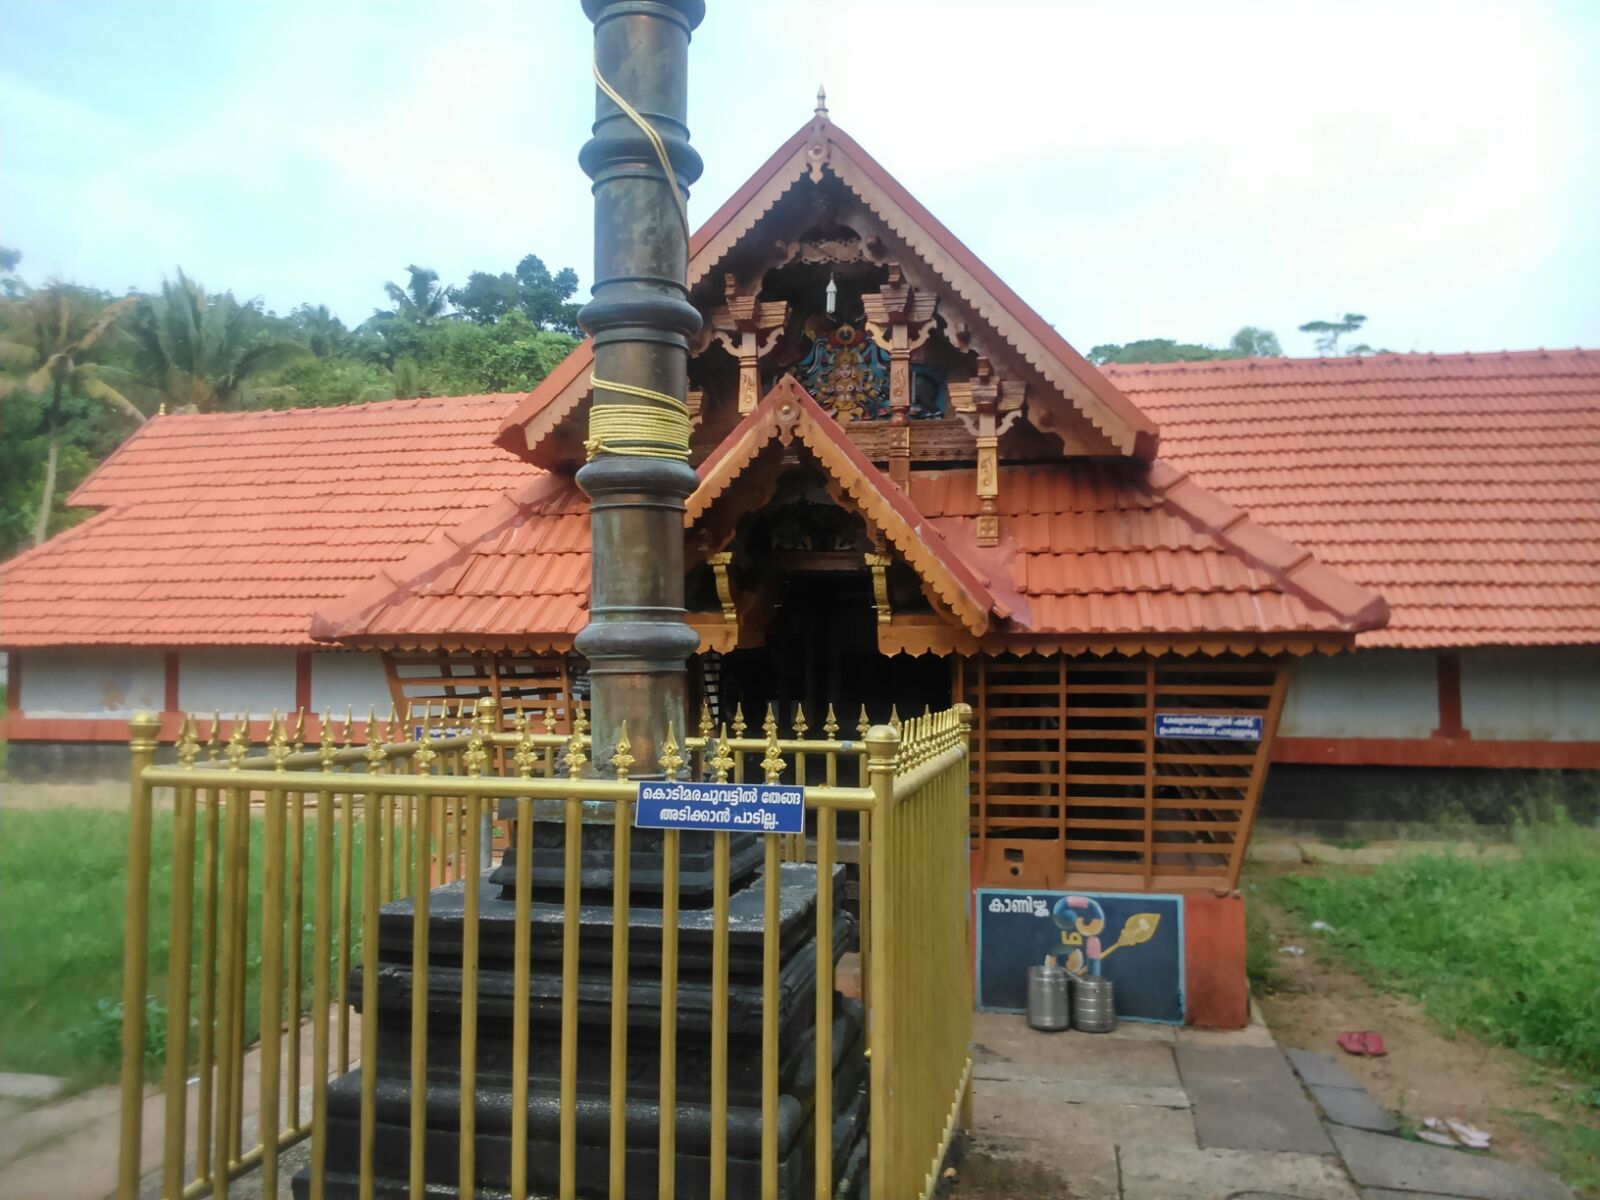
796	1018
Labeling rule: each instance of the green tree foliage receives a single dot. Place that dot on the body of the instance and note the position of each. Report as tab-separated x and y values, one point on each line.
544	299
1249	342
421	301
54	337
1328	333
207	352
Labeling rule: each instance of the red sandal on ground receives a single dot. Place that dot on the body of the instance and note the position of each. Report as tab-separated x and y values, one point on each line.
1352	1043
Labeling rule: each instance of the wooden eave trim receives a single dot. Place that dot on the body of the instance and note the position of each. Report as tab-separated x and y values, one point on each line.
915	634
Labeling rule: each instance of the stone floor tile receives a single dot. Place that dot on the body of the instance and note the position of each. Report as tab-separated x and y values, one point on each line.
1353	1107
1321	1069
1378	1161
1041	1111
1178	1173
1247	1098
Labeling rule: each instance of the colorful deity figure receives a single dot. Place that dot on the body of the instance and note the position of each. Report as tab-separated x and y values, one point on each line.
1082	921
848	373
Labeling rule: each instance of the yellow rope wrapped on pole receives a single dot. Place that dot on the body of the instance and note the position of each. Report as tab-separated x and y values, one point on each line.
656	144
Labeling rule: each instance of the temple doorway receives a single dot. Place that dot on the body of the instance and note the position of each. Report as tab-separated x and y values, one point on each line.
821	648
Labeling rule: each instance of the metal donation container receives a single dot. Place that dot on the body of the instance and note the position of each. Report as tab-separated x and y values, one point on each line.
1047	997
1093	1007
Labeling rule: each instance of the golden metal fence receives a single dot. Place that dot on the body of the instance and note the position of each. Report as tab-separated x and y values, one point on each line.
344	827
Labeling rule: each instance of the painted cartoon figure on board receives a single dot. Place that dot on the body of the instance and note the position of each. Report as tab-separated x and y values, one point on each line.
1082	922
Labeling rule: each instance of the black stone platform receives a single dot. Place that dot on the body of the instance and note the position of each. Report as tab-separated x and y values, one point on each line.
796	1018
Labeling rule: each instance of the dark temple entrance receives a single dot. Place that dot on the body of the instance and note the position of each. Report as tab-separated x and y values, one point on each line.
820	649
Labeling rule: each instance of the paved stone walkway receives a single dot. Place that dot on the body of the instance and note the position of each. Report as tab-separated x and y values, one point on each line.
1150	1112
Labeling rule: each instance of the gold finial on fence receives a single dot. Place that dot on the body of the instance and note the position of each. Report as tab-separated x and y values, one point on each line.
325	744
575	756
376	751
800	725
772	761
476	756
188	743
671	760
526	754
300	731
738	720
550	718
622	758
707	726
277	742
830	725
349	740
392	731
722	761
239	742
214	738
864	724
895	723
580	721
769	723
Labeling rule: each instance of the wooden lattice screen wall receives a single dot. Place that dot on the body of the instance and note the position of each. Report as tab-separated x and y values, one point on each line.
1070	787
518	682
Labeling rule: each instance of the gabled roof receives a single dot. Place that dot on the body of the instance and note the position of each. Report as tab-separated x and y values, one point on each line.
231	528
789	412
819	145
1465	487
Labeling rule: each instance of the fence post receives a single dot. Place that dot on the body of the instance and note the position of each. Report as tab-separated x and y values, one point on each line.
964	719
143	731
883	742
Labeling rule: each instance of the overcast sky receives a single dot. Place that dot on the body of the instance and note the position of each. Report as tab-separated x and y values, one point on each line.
1132	169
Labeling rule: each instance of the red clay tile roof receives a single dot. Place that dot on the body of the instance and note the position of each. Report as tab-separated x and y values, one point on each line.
1101	549
1464	487
821	142
232	528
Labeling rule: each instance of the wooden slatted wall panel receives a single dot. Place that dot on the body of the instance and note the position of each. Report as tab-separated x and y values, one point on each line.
518	682
1071	788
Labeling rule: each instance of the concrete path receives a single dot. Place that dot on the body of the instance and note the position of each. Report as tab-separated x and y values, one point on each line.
1155	1113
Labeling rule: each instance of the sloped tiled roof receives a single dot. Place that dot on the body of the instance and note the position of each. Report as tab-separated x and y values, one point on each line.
1464	487
231	528
1103	549
814	146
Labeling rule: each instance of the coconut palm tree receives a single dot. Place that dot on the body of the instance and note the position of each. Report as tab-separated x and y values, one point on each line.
53	335
423	298
201	351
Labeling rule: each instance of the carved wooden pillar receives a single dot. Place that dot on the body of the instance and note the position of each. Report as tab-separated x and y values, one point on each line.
988	405
748	328
899	318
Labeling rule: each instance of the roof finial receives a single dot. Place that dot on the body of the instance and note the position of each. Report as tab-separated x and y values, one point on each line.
822	101
162	411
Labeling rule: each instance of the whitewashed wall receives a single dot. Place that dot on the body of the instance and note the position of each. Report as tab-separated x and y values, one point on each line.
1534	693
1367	694
340	682
228	680
92	681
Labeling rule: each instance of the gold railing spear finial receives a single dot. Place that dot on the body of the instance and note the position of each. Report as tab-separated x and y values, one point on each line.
707	726
830	724
549	718
722	761
769	723
864	724
326	747
772	761
239	742
671	760
349	740
277	742
188	742
476	756
622	758
575	755
580	721
376	752
894	718
526	754
800	725
214	738
392	730
738	720
300	730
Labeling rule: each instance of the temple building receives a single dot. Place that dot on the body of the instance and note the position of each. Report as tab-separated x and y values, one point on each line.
912	491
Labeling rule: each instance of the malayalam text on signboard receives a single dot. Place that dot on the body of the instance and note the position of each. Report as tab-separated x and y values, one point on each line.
724	807
1237	727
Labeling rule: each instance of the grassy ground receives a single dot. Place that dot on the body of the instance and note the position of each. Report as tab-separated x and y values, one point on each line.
1501	947
62	886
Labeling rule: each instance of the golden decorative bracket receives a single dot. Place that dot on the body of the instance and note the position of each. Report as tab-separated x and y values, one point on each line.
878	564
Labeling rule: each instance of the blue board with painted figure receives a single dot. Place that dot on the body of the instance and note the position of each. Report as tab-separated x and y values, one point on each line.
1236	727
1136	941
720	807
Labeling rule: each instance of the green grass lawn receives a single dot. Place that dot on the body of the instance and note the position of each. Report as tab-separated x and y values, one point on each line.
1503	948
63	881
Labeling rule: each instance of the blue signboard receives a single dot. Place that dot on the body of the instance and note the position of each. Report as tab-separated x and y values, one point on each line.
726	807
1236	728
1136	941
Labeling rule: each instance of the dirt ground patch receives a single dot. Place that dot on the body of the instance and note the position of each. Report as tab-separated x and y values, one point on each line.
1425	1073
